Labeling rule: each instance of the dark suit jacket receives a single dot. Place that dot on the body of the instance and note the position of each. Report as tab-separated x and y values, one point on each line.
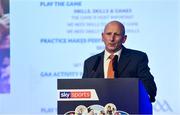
132	64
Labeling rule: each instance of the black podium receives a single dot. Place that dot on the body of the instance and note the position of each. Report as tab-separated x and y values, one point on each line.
127	94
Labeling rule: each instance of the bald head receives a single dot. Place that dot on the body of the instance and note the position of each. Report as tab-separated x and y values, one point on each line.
117	23
114	36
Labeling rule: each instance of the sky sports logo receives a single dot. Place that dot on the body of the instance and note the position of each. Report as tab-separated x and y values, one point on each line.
77	95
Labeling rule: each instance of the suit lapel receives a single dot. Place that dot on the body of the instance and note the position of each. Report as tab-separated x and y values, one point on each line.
123	61
100	69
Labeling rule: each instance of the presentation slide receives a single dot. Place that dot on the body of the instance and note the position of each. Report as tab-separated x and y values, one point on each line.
45	40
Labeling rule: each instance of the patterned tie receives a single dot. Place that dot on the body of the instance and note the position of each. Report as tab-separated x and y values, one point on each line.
110	73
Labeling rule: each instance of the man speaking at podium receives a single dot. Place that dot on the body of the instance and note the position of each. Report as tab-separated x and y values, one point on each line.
116	61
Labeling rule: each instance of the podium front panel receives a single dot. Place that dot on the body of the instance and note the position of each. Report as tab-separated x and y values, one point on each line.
122	92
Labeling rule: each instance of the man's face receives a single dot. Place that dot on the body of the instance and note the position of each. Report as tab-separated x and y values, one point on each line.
113	38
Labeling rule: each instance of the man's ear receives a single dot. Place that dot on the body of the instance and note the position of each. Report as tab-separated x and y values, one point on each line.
124	38
102	36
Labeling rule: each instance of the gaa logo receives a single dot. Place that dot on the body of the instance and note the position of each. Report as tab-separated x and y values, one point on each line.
162	106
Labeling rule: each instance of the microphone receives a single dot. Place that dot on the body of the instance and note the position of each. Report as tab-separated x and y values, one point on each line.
96	64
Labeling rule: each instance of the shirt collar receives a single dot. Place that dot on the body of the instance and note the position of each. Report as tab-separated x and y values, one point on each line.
107	54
